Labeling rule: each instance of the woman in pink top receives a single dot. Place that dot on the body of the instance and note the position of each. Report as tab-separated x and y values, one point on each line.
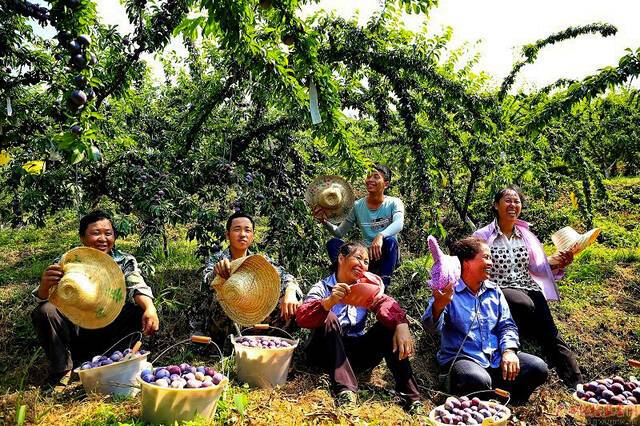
522	270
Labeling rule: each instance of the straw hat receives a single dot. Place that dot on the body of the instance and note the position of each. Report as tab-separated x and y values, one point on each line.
92	290
251	292
333	193
445	268
569	239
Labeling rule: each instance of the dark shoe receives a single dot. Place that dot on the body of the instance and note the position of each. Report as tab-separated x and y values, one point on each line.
346	398
57	382
414	408
570	380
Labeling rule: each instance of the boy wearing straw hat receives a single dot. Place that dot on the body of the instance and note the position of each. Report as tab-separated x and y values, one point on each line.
240	234
66	343
379	217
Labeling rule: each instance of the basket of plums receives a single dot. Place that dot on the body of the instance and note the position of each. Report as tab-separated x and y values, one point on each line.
470	411
180	392
612	398
114	373
263	361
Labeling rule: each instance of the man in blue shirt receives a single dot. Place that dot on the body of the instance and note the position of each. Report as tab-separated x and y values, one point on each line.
379	217
479	345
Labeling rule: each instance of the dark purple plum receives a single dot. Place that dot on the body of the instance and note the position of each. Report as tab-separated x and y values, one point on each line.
78	97
617	388
616	399
79	61
607	394
84	40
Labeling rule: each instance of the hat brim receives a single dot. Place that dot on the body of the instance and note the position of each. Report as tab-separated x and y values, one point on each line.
98	305
574	241
251	292
586	240
324	181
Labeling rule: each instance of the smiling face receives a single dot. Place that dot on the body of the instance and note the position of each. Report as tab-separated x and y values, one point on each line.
509	206
375	182
353	266
479	268
240	234
99	235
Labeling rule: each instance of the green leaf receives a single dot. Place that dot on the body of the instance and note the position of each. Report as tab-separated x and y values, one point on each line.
77	156
21	415
94	153
240	401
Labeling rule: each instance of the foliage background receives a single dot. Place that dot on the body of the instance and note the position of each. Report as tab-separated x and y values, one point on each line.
229	128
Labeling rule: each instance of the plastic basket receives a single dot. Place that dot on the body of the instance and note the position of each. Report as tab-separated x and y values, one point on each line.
503	421
169	405
263	368
620	414
118	378
615	414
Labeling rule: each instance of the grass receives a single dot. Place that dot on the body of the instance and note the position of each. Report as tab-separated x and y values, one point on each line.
597	316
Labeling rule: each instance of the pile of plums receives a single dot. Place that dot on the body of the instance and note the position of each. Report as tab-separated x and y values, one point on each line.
264	342
465	411
183	376
101	360
613	391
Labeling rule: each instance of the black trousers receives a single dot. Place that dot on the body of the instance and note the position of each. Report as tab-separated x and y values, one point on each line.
468	376
341	356
532	315
66	345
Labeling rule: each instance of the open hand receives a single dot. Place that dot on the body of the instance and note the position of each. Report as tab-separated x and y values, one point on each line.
319	214
403	341
289	304
510	365
150	321
375	251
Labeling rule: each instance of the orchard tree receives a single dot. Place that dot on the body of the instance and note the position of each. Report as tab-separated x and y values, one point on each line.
230	127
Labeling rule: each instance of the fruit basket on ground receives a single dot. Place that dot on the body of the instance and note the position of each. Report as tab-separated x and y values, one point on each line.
177	393
472	411
613	399
263	361
114	372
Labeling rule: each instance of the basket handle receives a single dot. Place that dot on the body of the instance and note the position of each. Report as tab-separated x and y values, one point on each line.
194	339
267	327
139	333
500	392
634	363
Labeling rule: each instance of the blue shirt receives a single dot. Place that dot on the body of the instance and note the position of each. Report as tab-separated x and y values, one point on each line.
388	219
352	318
485	317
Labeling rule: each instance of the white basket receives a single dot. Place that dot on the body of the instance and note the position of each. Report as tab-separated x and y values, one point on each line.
167	405
260	367
118	378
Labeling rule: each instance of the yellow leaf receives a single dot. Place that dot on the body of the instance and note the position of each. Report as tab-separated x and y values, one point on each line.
5	158
574	200
34	167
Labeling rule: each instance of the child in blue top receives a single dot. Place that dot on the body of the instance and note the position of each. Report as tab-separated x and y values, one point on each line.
379	217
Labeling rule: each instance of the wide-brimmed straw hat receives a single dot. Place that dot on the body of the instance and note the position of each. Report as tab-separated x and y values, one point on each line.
569	239
91	293
251	292
333	193
445	269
